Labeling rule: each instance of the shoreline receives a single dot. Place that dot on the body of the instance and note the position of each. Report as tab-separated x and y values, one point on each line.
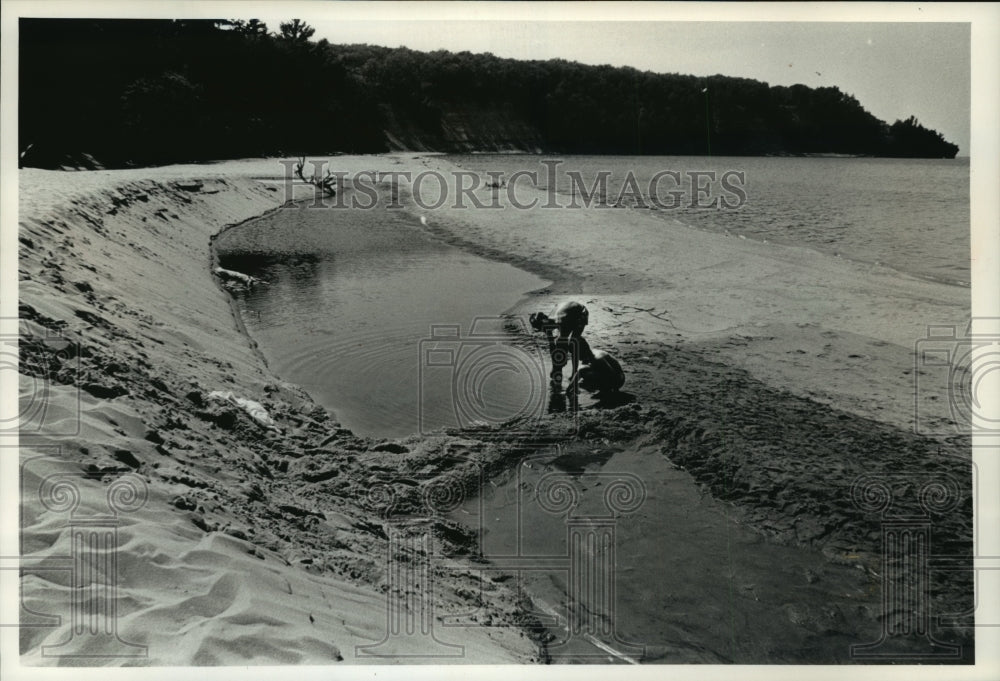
220	484
214	262
745	288
664	213
838	552
622	322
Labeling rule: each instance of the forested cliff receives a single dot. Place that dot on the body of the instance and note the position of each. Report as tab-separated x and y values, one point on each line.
137	92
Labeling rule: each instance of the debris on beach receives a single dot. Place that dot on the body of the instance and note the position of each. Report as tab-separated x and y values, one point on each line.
232	279
255	410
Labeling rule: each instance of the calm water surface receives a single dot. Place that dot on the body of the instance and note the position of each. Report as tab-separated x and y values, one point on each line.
391	330
909	214
354	296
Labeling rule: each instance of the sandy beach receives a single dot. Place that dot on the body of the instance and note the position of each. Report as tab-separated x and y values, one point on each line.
768	378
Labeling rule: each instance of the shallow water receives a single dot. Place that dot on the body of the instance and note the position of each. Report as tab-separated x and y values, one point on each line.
391	330
378	322
679	580
909	214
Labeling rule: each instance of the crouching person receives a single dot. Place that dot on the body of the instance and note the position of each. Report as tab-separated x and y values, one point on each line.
593	371
603	374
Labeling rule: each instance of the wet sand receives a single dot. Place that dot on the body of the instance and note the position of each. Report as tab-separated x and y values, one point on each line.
770	377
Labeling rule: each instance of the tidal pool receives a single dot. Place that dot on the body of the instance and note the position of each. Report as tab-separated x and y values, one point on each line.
391	330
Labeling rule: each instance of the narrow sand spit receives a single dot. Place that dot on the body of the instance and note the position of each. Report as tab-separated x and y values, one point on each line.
773	376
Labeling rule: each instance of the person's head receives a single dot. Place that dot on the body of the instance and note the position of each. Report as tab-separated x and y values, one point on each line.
572	317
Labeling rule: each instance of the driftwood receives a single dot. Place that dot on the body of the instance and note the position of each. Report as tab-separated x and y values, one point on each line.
326	184
233	279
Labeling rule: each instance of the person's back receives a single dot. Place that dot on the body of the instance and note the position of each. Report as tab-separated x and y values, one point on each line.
602	374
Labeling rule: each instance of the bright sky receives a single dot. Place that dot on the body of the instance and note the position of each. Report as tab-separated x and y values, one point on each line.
894	69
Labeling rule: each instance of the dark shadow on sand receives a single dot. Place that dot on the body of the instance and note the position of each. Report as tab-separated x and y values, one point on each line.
560	402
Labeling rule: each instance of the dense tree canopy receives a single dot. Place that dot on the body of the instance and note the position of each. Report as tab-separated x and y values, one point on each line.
153	91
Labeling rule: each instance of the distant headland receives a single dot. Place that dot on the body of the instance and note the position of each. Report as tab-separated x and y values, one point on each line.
117	93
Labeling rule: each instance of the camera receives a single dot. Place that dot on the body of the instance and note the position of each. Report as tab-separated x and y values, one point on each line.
493	375
540	321
957	368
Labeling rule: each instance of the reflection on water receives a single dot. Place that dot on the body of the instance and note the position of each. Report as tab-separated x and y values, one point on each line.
675	579
352	308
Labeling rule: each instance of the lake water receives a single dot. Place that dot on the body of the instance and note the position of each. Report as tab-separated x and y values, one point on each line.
909	214
357	300
698	589
376	320
389	329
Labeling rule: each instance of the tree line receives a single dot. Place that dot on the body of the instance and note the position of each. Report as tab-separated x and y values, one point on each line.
142	92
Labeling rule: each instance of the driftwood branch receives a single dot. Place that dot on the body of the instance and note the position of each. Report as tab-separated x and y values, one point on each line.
649	311
326	184
232	279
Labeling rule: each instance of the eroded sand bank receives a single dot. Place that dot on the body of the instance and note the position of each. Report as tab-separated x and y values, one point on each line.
230	560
